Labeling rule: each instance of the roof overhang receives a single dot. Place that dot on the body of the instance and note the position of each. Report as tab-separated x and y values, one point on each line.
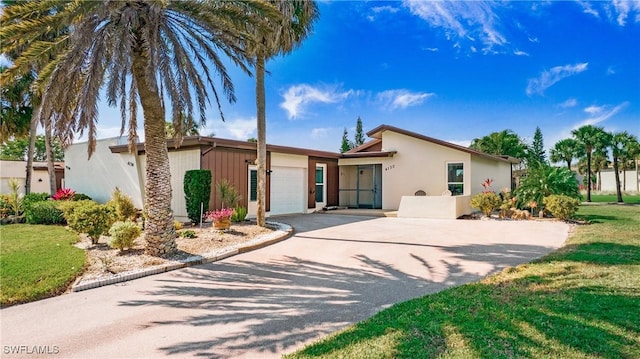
369	154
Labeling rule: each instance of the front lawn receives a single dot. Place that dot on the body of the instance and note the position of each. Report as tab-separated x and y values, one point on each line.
579	302
613	198
36	262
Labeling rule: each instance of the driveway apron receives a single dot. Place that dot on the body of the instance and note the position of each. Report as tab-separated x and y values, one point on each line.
336	270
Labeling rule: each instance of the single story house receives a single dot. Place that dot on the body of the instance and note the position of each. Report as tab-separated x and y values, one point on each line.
629	180
39	175
399	170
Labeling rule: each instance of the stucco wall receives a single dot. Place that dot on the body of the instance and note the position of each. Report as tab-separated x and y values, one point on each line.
18	169
483	168
609	181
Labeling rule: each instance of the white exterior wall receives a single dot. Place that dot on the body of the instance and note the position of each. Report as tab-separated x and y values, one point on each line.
98	176
300	162
18	169
608	179
483	168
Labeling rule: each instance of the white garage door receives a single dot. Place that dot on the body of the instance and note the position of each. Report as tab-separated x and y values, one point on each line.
287	190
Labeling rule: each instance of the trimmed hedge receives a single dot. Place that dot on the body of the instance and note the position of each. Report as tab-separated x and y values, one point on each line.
44	212
197	189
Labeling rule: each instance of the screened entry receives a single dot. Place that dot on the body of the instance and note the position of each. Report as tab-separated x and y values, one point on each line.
361	186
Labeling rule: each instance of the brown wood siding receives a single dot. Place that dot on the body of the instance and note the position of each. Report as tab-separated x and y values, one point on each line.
230	164
374	148
333	176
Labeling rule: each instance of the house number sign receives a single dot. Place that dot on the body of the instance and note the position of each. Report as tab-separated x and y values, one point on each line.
389	168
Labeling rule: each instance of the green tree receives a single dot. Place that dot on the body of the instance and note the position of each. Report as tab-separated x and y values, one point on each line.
16	110
544	180
536	152
16	149
186	127
359	136
346	145
590	138
565	151
622	146
140	52
505	142
281	36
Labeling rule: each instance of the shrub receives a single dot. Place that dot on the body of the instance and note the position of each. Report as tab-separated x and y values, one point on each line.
5	208
44	212
188	233
122	206
89	217
177	225
14	199
239	214
561	206
80	197
123	235
197	190
229	195
219	214
64	194
487	202
542	181
33	198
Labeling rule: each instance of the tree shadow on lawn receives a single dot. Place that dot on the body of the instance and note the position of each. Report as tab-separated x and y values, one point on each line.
273	306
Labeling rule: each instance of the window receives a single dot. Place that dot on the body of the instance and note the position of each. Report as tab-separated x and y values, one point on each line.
319	184
455	178
253	185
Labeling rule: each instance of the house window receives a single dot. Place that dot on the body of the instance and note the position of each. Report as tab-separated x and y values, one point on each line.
455	178
319	184
253	185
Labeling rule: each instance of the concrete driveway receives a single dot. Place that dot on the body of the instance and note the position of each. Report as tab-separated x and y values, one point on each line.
335	271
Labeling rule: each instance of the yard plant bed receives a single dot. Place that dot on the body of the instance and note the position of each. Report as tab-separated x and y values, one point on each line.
104	262
578	302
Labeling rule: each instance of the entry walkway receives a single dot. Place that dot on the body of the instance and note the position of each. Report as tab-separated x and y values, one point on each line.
336	270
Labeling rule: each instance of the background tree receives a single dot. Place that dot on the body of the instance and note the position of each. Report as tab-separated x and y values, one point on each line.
16	111
565	151
622	146
143	52
359	136
590	138
187	127
281	36
345	145
16	150
536	152
505	142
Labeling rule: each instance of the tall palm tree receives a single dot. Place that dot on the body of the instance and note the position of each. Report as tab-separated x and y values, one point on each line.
281	37
139	51
505	142
622	145
565	150
590	138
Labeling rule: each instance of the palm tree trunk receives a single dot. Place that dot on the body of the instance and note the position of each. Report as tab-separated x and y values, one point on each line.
615	169
262	137
159	232
32	145
588	175
569	165
49	149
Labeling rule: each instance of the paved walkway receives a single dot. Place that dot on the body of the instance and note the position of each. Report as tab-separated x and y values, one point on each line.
335	271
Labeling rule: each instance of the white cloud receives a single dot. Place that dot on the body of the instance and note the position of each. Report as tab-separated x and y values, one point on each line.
463	143
625	9
297	98
587	9
395	99
387	8
534	40
320	132
572	102
467	20
431	49
611	70
236	128
520	53
594	110
600	113
550	77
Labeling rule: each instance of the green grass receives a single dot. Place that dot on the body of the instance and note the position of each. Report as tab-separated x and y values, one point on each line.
582	301
36	262
613	198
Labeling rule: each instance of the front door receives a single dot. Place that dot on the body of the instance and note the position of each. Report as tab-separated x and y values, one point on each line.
369	186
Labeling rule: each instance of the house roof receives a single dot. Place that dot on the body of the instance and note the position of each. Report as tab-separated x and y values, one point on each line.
212	142
376	133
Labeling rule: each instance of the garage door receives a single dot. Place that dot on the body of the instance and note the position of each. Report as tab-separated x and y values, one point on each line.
287	190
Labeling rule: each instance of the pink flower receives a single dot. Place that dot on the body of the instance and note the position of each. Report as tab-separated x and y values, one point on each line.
219	214
64	194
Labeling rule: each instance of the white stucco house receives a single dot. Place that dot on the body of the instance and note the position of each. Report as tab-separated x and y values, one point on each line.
384	173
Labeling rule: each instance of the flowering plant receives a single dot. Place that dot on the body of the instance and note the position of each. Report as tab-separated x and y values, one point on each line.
64	194
487	185
219	214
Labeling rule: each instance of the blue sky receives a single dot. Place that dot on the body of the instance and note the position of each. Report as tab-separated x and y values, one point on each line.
454	71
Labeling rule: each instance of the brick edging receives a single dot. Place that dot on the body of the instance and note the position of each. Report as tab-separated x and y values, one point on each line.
282	232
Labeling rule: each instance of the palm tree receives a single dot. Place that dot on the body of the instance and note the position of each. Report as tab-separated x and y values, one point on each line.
565	150
505	143
590	138
281	37
622	145
142	51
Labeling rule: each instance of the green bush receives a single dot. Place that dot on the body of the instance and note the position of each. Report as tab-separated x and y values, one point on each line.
188	233
123	206
228	194
123	235
561	206
88	217
197	190
487	202
5	208
239	214
44	212
80	197
542	181
33	198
